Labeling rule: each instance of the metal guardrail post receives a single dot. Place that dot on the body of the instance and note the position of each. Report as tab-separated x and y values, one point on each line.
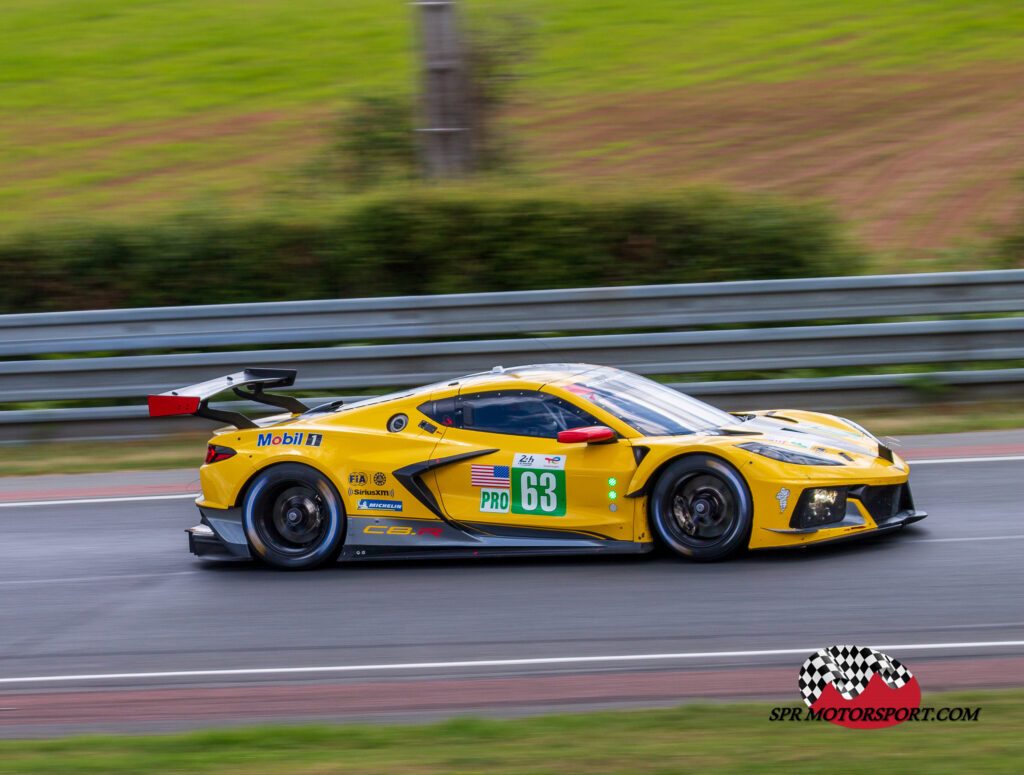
446	140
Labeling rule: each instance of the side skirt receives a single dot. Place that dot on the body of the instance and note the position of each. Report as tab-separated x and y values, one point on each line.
356	553
220	535
371	538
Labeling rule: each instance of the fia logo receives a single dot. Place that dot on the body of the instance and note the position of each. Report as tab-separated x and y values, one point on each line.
357	478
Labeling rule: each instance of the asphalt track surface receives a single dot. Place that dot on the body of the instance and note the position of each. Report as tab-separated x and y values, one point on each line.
107	623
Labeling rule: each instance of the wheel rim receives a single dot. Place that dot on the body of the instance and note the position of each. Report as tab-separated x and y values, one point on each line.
702	509
294	521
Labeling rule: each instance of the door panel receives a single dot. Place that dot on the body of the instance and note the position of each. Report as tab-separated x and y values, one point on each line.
538	483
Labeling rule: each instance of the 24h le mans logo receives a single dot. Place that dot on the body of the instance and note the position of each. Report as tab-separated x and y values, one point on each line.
866	683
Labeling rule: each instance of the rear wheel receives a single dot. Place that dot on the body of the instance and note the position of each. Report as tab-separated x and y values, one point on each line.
293	517
701	508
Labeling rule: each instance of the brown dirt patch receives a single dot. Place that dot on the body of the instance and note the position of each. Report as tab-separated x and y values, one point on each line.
194	128
915	161
249	139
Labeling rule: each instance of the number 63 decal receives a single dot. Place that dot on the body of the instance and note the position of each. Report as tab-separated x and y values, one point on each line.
538	492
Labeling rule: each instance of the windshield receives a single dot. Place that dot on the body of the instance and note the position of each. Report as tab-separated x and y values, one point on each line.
649	407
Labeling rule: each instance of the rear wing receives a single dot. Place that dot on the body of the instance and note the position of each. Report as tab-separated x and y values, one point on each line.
194	399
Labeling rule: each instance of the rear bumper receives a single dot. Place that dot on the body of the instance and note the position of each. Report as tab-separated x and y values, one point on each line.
218	534
203	542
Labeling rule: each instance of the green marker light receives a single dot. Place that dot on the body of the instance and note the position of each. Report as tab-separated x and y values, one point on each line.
613	495
612	481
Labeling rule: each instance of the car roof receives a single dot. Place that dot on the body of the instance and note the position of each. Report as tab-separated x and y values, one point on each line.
538	374
530	377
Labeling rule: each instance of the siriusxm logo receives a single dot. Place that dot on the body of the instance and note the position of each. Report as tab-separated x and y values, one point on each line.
372	504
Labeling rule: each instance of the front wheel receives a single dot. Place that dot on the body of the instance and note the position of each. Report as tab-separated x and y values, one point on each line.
294	518
701	508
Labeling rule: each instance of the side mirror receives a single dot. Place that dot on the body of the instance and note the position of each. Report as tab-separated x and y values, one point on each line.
595	434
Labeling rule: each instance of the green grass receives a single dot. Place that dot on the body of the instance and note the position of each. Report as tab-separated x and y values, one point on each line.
115	60
187	450
707	739
80	457
941	418
118	108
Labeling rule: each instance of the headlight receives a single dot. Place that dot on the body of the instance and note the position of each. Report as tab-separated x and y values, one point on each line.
785	455
819	506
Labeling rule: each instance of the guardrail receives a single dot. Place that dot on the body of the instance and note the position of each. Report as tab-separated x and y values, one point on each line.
378	366
517	312
24	376
823	393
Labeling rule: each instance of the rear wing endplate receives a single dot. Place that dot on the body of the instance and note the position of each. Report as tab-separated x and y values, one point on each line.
194	399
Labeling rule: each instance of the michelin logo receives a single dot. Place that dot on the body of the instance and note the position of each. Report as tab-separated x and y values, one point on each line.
782	496
371	504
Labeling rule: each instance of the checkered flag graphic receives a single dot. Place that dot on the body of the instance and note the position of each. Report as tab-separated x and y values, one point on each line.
849	669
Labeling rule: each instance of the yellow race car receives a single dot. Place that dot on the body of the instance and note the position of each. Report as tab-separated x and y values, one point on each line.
545	459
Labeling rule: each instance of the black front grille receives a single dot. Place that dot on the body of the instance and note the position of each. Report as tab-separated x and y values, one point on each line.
882	501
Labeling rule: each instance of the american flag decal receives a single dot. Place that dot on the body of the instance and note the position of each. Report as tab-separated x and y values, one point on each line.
489	476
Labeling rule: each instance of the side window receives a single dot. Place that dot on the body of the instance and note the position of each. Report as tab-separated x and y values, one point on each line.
519	413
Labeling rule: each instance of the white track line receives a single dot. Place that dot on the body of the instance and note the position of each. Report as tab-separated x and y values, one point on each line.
989	459
90	579
83	501
282	671
961	540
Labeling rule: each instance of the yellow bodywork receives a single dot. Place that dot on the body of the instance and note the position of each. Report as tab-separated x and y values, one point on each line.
604	485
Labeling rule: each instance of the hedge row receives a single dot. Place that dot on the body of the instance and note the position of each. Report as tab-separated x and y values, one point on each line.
1009	253
432	241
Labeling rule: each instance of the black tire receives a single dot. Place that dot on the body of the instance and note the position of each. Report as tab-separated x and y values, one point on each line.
293	517
701	508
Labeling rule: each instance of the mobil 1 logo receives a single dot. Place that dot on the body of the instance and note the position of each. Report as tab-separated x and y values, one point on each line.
289	439
538	484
